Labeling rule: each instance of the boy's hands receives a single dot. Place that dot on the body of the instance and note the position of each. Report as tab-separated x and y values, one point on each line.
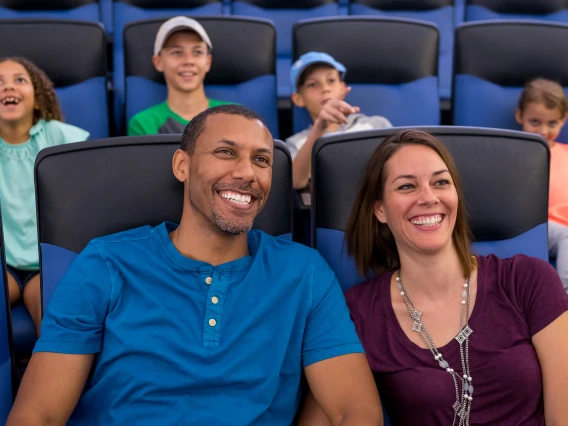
335	111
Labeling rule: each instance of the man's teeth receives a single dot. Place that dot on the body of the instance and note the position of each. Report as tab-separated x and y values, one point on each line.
428	221
243	200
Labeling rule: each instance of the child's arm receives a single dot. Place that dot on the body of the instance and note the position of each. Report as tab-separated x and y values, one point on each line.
333	112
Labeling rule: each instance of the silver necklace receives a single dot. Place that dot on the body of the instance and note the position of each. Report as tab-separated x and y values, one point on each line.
462	406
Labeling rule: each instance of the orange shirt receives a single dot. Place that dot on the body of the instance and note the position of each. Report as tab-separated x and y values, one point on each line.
558	194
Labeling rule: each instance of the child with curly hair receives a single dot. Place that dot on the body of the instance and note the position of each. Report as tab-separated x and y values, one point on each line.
30	120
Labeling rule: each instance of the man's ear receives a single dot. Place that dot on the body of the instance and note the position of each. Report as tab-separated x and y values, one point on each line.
180	165
157	61
298	100
380	212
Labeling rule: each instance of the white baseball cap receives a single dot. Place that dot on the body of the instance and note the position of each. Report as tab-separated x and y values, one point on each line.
179	23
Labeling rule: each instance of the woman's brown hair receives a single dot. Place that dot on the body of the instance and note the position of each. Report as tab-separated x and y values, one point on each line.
46	103
543	91
371	242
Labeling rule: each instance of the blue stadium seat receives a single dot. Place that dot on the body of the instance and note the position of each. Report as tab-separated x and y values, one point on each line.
80	10
440	12
6	352
284	14
139	170
508	207
72	54
126	11
238	74
391	65
492	62
548	10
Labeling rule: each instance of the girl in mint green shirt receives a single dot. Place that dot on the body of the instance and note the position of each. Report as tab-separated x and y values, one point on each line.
30	120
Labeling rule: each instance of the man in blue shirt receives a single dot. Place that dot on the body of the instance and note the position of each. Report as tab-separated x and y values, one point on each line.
205	323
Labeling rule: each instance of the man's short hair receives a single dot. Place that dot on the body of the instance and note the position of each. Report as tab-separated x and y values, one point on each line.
196	126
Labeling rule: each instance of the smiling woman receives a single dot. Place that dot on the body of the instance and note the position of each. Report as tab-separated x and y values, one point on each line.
452	338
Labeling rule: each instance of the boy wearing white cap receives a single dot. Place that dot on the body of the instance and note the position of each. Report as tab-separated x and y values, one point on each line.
317	85
182	52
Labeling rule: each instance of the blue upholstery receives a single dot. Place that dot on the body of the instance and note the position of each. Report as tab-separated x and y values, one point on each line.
491	68
508	208
138	169
396	102
95	118
444	20
398	80
474	109
246	77
6	353
459	12
284	20
79	84
106	15
123	14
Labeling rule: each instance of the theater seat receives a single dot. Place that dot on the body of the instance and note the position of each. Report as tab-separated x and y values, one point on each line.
492	63
241	75
284	14
6	350
548	10
391	65
75	205
72	54
126	11
82	10
504	177
439	12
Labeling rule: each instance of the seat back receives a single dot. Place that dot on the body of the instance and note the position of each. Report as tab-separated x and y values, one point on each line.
241	75
6	353
439	12
504	176
72	54
492	65
101	187
284	14
81	10
126	11
391	65
548	10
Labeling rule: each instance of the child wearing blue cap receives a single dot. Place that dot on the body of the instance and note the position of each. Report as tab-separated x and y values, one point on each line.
317	85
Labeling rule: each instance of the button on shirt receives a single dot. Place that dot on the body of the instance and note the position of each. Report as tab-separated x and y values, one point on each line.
181	342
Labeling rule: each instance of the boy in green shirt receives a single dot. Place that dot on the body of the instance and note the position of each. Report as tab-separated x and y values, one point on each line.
182	52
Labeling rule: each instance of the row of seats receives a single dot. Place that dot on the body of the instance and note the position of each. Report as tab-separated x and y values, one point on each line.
445	14
392	66
507	206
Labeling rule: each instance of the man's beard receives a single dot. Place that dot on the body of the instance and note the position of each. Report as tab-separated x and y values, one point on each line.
223	224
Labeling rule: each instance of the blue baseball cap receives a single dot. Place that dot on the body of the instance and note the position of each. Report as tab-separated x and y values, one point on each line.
311	58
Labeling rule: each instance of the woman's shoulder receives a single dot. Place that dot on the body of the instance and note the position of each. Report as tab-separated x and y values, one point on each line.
58	133
518	265
362	296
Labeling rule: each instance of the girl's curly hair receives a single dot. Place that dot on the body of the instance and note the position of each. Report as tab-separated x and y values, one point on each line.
46	103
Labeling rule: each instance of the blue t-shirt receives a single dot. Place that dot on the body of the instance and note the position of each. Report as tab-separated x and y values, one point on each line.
181	342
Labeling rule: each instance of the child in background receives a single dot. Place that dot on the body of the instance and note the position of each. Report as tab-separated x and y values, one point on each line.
542	110
30	120
182	53
317	85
